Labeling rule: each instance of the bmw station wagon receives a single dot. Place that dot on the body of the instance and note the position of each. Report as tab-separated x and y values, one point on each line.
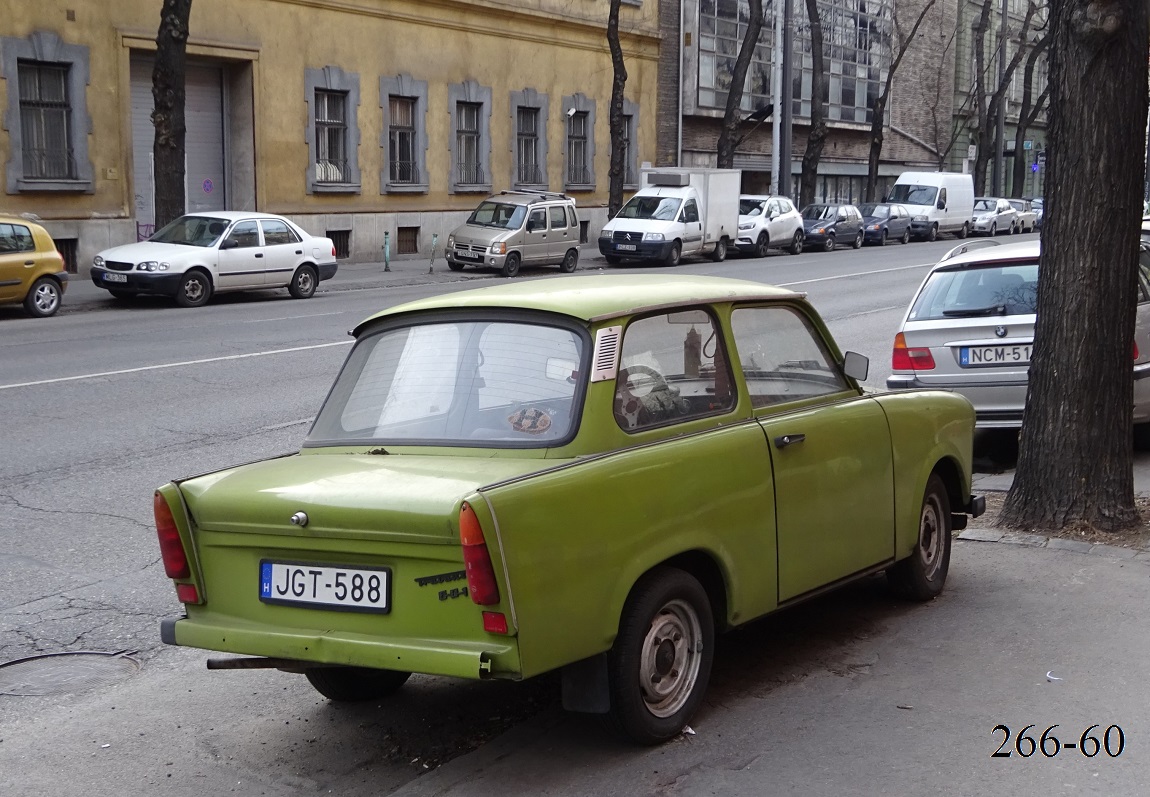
592	475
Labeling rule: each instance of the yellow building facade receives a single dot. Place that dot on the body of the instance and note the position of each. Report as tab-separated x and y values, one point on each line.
353	117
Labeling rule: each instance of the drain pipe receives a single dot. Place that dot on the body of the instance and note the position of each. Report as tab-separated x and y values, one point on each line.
679	99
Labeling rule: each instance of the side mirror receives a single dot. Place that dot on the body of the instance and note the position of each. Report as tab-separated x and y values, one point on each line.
229	243
941	204
530	225
856	366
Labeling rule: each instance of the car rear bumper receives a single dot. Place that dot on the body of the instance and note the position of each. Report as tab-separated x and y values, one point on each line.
326	271
158	282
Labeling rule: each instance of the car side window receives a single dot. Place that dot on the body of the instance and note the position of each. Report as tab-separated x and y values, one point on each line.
782	356
785	206
537	221
690	212
16	238
843	215
277	232
571	220
246	234
558	218
1143	276
672	368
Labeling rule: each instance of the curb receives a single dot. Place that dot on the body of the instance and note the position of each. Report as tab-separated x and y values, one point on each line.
1055	543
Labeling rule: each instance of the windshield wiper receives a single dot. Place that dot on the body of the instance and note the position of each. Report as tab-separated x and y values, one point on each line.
994	309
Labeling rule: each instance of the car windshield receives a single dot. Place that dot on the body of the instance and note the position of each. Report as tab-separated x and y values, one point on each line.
191	231
751	207
1017	205
490	383
662	208
1006	289
913	194
875	211
498	214
816	212
985	204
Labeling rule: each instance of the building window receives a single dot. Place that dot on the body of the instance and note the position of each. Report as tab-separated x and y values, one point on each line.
529	111
47	114
330	137
470	106
333	130
407	241
630	137
401	141
579	157
341	240
404	103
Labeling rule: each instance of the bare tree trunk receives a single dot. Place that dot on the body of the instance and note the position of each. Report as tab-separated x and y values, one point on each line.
1075	456
618	167
1028	113
818	133
978	43
168	76
878	112
733	113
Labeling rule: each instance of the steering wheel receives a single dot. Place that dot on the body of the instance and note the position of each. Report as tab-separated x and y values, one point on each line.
628	396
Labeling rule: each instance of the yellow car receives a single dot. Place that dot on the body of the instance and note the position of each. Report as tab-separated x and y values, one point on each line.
31	270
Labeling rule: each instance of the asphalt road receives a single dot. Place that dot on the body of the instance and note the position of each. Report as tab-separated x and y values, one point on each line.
106	401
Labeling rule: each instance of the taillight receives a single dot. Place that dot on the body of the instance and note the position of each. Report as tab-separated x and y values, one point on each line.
1135	350
907	359
333	250
171	549
476	559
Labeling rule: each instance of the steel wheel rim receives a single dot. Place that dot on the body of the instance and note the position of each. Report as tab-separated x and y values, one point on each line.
670	658
45	299
930	540
194	289
304	283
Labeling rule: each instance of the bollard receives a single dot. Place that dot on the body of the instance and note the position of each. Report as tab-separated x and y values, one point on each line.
434	242
386	251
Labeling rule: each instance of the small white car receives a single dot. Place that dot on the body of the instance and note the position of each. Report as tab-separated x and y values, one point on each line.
201	254
768	222
993	215
1027	216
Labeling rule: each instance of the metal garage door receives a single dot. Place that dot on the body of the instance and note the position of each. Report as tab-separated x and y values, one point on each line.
204	144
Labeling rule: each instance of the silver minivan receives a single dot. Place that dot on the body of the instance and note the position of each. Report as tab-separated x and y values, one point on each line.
518	228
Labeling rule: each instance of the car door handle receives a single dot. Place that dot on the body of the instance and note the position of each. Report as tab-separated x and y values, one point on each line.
784	440
299	251
259	254
29	262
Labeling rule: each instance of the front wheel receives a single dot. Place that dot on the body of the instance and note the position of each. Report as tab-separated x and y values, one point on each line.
882	240
660	664
303	283
762	245
570	261
993	230
451	264
932	233
720	253
194	290
676	254
43	298
511	265
612	260
922	575
355	684
829	244
797	243
858	240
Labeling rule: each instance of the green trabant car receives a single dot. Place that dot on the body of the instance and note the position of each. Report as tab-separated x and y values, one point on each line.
591	474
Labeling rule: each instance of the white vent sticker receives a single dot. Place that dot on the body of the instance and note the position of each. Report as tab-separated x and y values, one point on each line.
606	353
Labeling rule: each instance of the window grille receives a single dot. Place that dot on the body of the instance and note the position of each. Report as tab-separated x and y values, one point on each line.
407	241
628	169
467	142
330	136
68	249
401	150
527	142
341	239
45	115
577	171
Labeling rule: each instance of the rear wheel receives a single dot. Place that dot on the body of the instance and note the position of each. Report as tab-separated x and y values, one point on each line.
720	253
303	283
762	245
570	261
511	265
965	231
922	575
797	243
660	664
355	684
43	298
195	289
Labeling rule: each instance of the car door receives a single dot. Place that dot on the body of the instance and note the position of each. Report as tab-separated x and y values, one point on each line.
241	257
17	257
282	251
776	223
535	247
560	239
830	451
692	226
899	221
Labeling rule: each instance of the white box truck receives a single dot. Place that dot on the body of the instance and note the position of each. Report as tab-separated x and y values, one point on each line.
938	202
677	212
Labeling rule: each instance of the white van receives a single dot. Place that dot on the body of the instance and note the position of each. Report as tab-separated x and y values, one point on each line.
937	201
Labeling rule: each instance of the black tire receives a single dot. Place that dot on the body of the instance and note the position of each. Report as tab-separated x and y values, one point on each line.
829	244
858	242
195	289
762	245
43	298
303	283
123	295
355	684
451	264
570	261
993	230
882	240
965	231
922	575
905	239
676	254
612	260
932	233
797	243
660	664
511	265
720	253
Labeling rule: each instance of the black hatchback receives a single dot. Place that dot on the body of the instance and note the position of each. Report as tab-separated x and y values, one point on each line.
825	225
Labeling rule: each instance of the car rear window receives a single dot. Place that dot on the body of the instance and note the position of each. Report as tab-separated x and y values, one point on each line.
993	289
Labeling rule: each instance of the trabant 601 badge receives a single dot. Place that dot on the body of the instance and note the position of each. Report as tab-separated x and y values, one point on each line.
1000	331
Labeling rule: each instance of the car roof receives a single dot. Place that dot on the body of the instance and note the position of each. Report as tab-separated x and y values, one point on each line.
987	252
233	215
762	196
595	297
528	197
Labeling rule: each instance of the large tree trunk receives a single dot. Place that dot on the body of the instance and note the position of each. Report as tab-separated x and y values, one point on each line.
1075	456
733	113
818	133
168	116
617	170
